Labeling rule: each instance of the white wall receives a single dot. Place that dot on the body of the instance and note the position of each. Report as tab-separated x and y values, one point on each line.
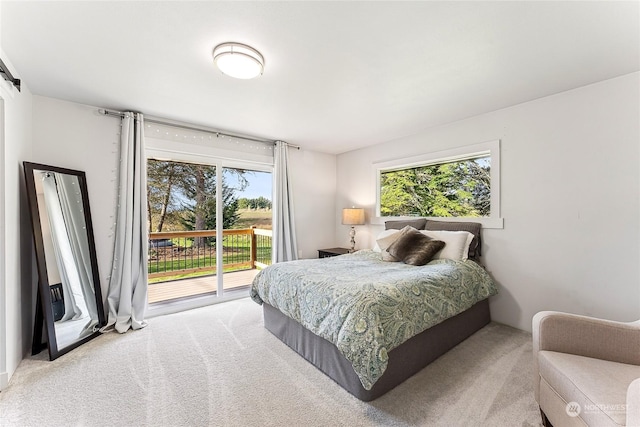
313	177
16	290
570	189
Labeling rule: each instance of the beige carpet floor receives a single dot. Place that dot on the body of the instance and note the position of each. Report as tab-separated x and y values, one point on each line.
218	366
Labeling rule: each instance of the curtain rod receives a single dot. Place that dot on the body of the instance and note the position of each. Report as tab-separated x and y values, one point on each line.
166	122
6	74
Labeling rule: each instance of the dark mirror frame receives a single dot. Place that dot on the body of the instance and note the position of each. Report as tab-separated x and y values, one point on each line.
44	308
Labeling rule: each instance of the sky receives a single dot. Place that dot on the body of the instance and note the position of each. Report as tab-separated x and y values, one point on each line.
259	185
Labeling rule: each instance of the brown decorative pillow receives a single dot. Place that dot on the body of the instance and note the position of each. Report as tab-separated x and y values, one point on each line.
415	248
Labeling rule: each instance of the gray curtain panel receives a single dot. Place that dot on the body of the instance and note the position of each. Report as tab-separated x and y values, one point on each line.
284	247
127	297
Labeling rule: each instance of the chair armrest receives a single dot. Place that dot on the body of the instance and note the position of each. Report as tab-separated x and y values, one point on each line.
633	404
587	336
584	336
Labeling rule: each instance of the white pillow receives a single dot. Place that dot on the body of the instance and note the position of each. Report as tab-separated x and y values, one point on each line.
456	243
385	233
385	242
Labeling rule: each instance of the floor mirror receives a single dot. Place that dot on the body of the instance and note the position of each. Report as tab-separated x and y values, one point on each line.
69	307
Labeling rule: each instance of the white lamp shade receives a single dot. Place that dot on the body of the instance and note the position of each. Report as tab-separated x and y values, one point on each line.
353	216
238	60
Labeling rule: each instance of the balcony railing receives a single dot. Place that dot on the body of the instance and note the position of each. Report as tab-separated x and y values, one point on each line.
193	253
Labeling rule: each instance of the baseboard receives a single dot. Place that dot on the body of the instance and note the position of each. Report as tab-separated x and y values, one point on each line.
4	380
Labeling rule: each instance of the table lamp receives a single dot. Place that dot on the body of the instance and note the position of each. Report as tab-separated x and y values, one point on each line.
353	216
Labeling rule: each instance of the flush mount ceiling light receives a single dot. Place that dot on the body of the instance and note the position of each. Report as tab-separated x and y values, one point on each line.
238	60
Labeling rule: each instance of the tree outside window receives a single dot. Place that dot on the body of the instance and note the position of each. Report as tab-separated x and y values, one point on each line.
460	188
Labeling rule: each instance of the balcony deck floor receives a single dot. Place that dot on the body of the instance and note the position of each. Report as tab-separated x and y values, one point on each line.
175	289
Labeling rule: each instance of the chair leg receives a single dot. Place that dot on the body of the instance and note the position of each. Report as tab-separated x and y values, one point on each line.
545	420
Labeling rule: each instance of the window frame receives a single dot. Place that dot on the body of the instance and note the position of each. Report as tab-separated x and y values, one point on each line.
490	148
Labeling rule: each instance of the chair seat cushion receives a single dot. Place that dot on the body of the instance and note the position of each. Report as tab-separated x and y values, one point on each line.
598	386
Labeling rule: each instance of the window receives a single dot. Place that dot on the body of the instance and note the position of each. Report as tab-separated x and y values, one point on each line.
453	184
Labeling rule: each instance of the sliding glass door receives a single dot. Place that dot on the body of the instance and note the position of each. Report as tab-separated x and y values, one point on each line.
209	227
246	213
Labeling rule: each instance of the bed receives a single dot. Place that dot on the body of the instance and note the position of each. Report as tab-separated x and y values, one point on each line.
370	324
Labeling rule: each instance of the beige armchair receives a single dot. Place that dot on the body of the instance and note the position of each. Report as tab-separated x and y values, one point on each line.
587	370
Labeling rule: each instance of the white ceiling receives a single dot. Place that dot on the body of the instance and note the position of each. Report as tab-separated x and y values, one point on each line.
338	75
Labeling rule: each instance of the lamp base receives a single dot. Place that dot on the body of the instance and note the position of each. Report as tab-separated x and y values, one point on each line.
352	234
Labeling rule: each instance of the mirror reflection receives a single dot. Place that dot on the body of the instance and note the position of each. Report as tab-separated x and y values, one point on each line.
72	304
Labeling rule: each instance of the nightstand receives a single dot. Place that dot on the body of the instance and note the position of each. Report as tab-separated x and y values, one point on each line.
326	253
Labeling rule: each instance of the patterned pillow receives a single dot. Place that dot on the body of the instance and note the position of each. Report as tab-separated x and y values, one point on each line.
413	247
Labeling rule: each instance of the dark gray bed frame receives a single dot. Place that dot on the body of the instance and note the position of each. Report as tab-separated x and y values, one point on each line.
404	360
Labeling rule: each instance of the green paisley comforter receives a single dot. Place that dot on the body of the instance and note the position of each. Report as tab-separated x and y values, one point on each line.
366	306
